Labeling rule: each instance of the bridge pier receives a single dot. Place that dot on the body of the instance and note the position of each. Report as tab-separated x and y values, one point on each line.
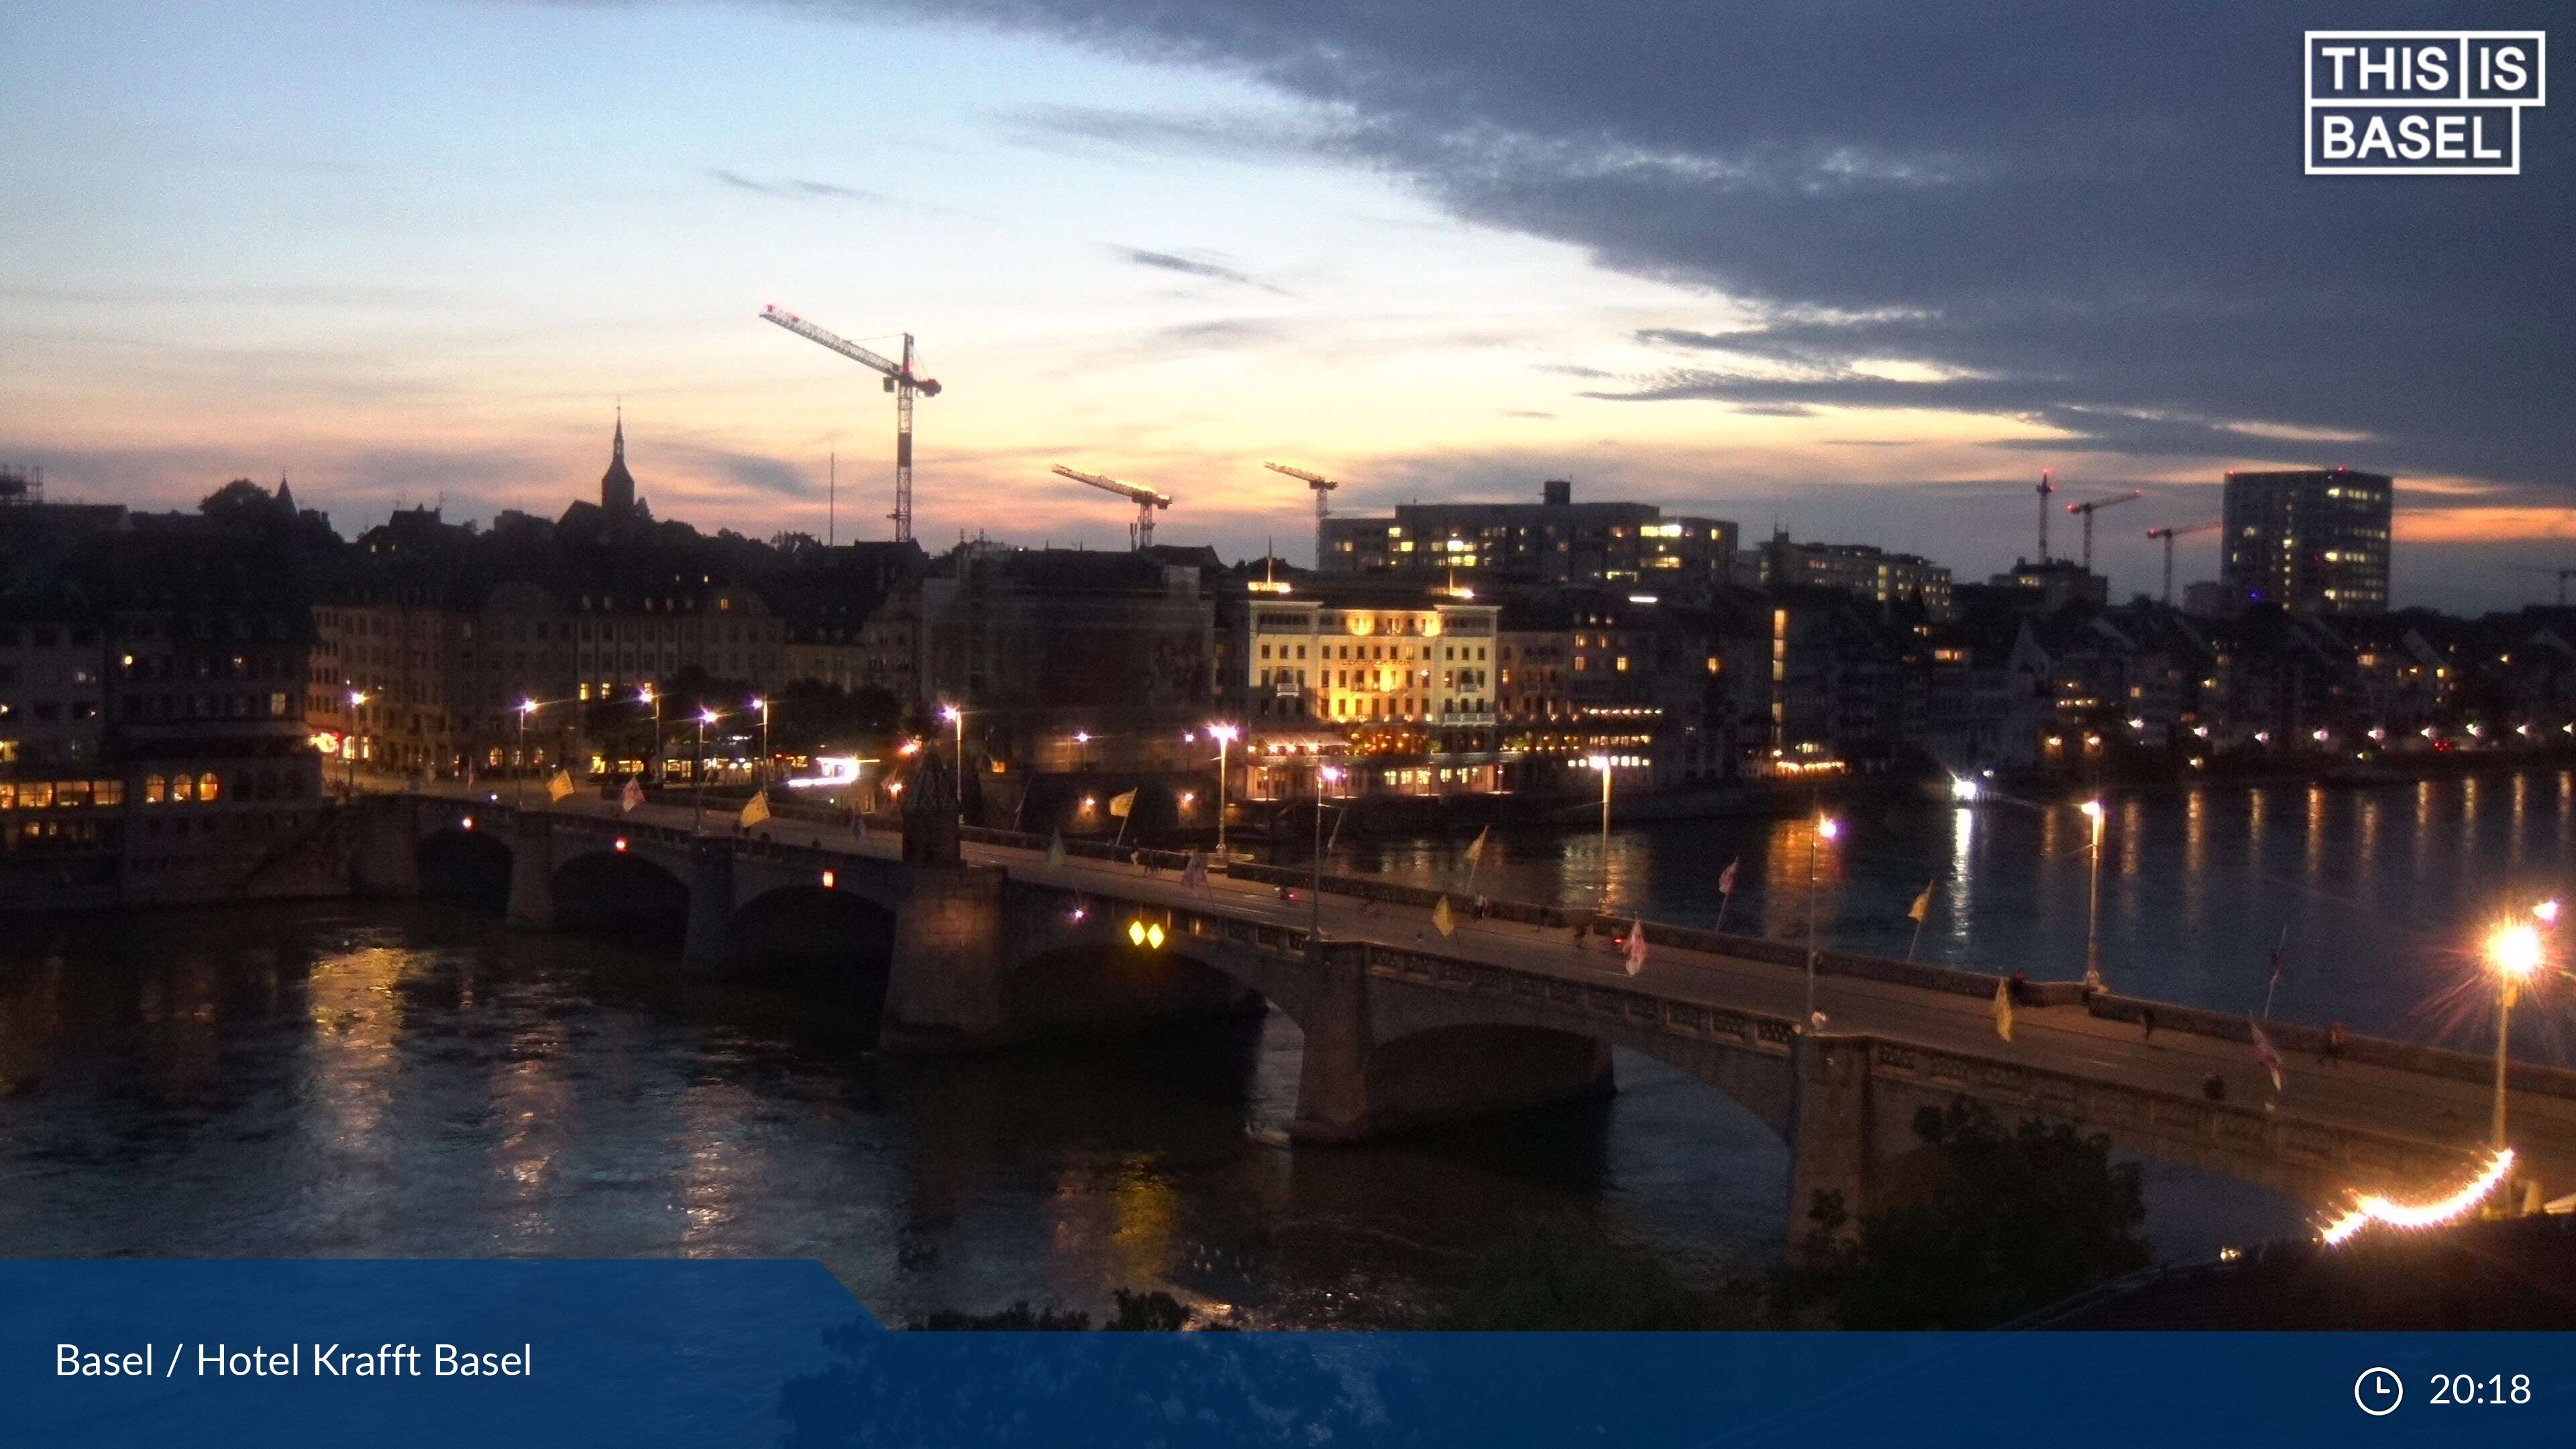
947	980
708	943
1332	1076
1833	1138
532	873
387	859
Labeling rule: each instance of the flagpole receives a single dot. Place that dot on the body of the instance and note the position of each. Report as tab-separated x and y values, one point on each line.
1724	899
2268	991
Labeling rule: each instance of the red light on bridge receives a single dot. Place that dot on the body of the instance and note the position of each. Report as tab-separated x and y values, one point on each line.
621	842
827	880
465	824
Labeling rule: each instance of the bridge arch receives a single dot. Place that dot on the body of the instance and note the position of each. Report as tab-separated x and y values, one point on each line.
806	928
623	894
461	862
1098	981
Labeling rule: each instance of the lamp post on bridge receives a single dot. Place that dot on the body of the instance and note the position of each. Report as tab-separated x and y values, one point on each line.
349	746
1826	828
698	777
1225	735
956	715
653	756
2093	812
2514	952
519	776
1324	774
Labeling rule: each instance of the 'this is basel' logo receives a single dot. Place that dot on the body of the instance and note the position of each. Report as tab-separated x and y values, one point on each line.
2421	102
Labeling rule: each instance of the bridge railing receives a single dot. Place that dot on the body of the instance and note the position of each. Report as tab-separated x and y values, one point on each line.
2297	1039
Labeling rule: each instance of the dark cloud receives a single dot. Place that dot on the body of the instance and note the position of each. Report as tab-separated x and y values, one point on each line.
2087	216
1189	266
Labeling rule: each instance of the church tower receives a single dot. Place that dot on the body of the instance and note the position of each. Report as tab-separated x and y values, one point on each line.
617	486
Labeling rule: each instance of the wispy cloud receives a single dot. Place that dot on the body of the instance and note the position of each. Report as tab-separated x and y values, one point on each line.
794	188
1203	267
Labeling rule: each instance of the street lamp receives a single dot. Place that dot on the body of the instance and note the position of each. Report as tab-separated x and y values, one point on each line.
762	704
1225	734
698	777
653	757
519	776
1827	828
953	715
2514	952
2093	903
349	746
1324	774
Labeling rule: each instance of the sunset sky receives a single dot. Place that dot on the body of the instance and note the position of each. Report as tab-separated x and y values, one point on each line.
1859	272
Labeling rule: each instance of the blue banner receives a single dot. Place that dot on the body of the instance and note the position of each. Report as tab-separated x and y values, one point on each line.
769	1353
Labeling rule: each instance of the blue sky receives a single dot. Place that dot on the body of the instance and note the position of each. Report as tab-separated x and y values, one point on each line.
1712	256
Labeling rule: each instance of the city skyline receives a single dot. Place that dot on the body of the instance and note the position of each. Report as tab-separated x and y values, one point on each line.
428	256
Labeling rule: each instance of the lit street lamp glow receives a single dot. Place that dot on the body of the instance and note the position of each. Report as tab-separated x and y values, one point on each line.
2093	902
1963	789
519	776
349	745
956	716
1827	828
698	777
2514	952
1225	736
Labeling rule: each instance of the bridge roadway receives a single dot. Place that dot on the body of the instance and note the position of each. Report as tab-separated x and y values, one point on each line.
2438	1119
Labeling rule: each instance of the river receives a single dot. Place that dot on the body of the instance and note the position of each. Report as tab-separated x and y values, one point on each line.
363	1079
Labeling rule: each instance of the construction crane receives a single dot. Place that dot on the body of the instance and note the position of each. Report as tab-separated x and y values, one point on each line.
899	380
2096	506
2563	576
2169	533
1140	534
2045	489
1323	487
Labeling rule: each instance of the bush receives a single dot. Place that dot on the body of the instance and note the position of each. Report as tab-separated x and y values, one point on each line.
2011	1223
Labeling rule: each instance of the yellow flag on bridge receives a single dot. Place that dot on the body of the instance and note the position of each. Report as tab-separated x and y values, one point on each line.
1442	920
2003	1008
757	811
560	786
1121	805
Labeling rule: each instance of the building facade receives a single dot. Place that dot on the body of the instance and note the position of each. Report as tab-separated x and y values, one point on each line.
1553	541
2312	540
1857	569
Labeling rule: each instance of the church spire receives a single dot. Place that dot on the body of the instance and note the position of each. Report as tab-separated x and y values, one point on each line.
617	486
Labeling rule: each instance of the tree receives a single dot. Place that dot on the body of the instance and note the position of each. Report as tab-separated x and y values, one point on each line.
2011	1222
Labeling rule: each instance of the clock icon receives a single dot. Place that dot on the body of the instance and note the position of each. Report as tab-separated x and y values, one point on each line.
2378	1391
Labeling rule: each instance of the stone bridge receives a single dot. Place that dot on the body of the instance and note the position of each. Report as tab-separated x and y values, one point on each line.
1403	1032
